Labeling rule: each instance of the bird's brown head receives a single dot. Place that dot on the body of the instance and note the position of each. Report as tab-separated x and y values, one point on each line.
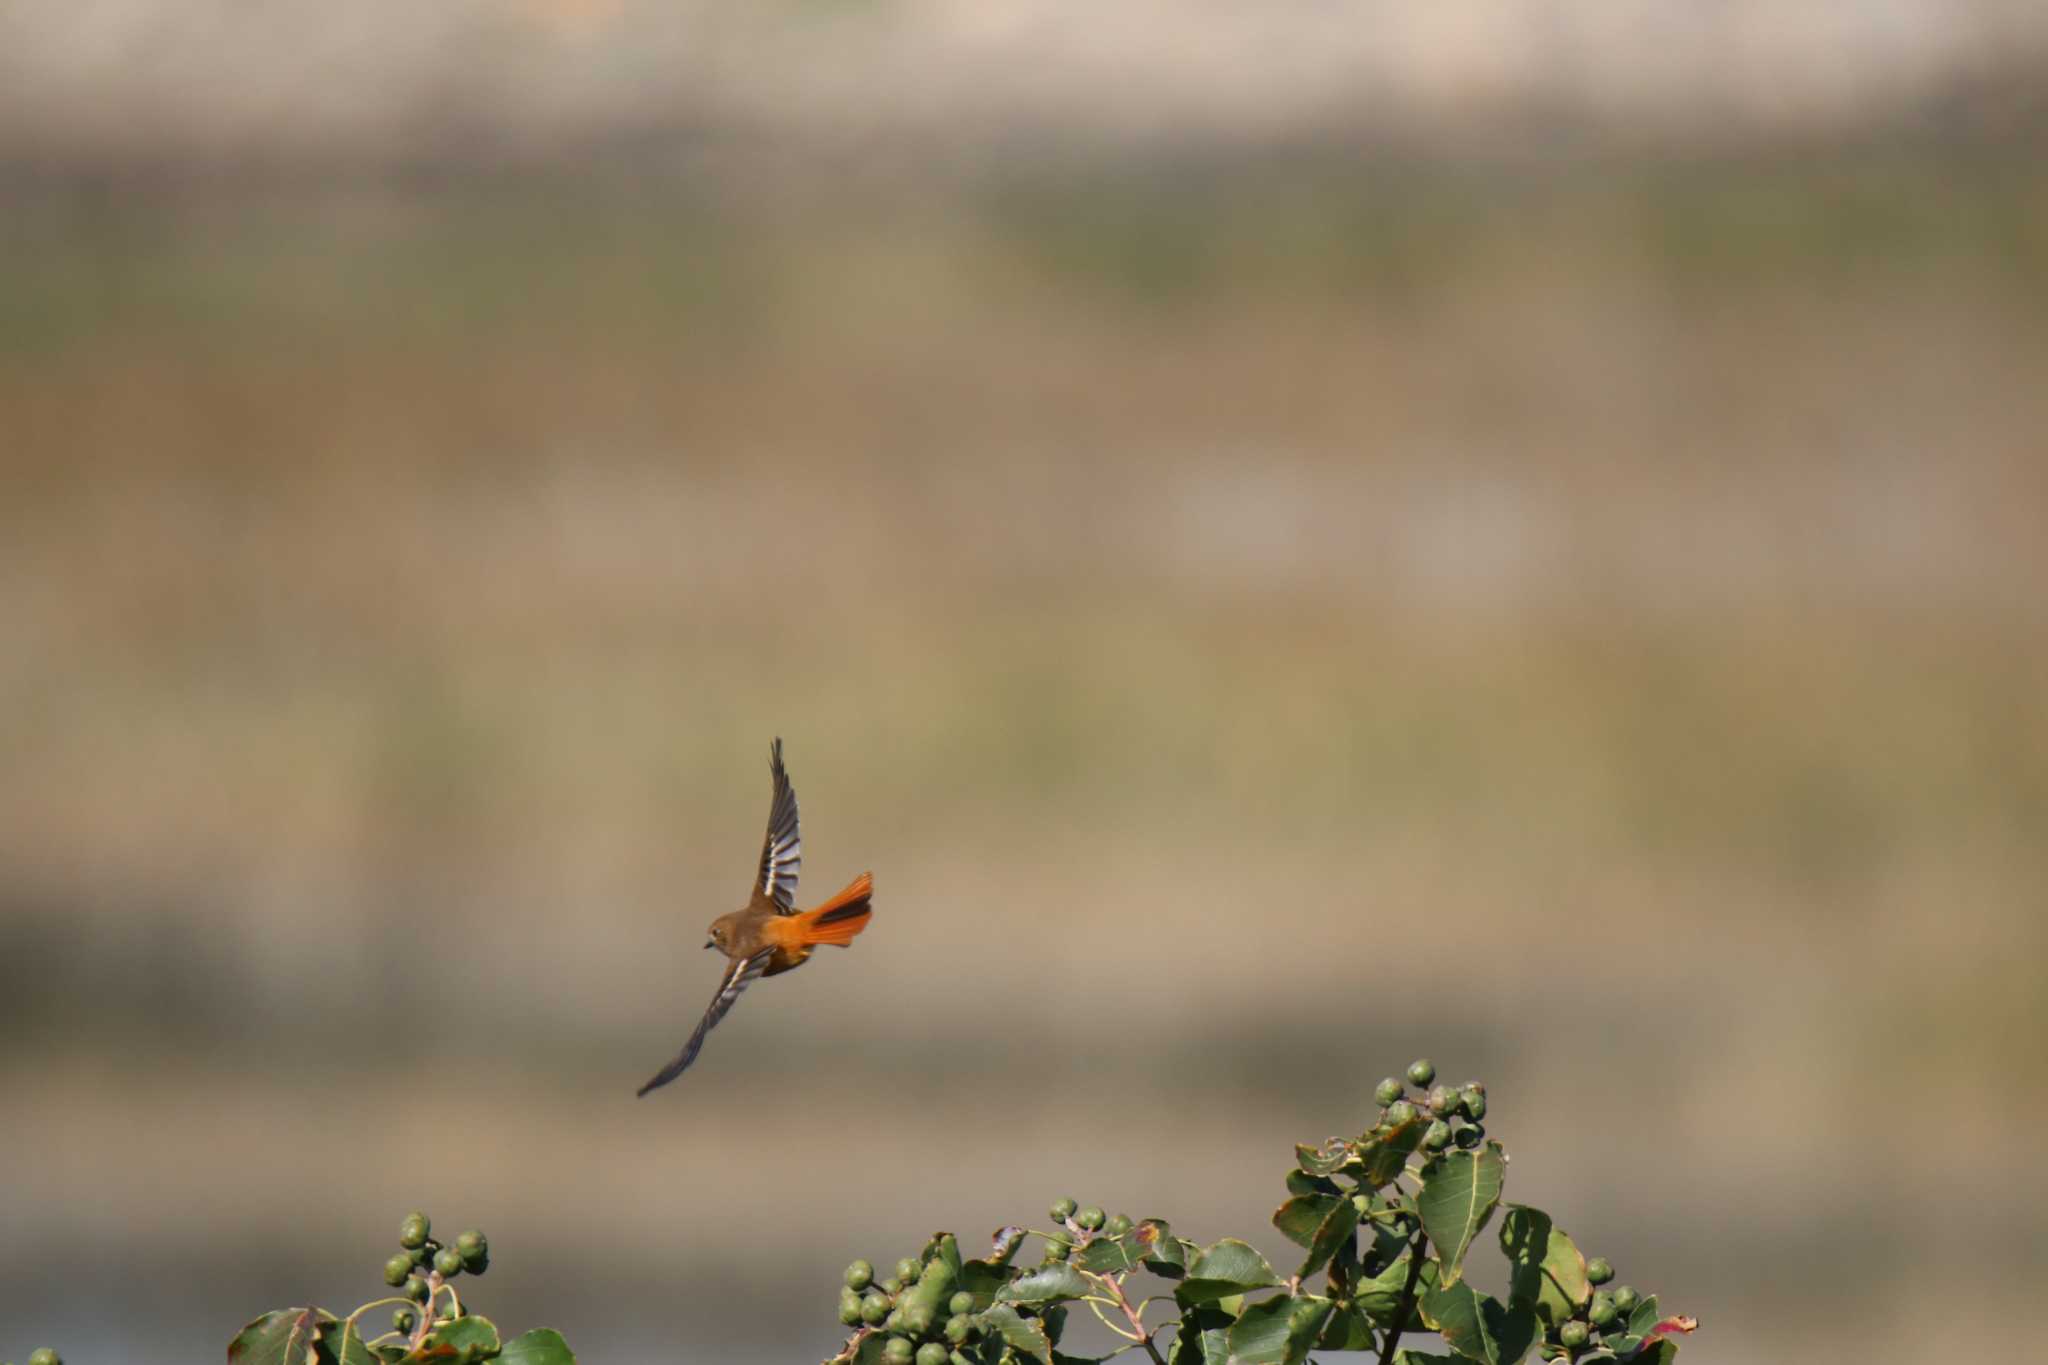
724	933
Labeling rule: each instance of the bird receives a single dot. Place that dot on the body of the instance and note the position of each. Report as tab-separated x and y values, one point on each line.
769	936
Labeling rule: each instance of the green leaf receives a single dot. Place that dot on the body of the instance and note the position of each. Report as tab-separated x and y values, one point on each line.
1054	1320
1385	1151
947	1247
1203	1338
1328	1159
282	1337
1277	1331
458	1342
1301	1182
1300	1216
1229	1267
541	1346
1546	1270
1111	1255
1334	1232
1021	1334
1478	1326
342	1344
1003	1244
1643	1316
1163	1253
1347	1330
979	1277
1407	1357
1380	1296
1053	1283
1662	1351
1459	1191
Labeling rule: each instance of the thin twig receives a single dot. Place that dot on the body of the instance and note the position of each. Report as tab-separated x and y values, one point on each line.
1142	1333
1405	1305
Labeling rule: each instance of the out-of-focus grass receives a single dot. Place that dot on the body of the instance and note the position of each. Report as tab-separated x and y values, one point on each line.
1226	610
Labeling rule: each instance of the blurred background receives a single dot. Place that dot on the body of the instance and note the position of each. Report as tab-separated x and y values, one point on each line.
1289	538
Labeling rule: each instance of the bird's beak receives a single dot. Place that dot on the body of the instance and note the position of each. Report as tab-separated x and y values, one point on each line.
709	944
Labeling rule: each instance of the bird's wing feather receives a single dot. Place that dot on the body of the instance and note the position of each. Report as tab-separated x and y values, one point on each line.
782	852
740	973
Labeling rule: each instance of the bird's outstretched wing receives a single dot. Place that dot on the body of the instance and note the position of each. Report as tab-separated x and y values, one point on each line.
782	852
740	973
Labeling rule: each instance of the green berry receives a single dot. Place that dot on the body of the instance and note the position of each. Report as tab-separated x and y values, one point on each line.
396	1269
1057	1249
43	1355
874	1308
473	1245
413	1231
423	1254
958	1328
1473	1101
1062	1210
416	1289
962	1302
1573	1335
1599	1270
402	1320
907	1269
1387	1091
849	1307
931	1353
892	1286
449	1262
1625	1300
1400	1112
859	1275
899	1351
1437	1136
1442	1100
1421	1072
1602	1310
1089	1219
1468	1137
894	1322
1117	1226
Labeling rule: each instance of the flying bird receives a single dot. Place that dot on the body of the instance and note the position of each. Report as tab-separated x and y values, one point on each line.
769	936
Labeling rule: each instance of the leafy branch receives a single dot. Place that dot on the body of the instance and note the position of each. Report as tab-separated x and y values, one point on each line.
1389	1239
430	1325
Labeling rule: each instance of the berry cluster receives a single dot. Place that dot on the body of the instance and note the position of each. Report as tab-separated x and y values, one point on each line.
916	1306
1455	1113
423	1269
935	1309
1605	1319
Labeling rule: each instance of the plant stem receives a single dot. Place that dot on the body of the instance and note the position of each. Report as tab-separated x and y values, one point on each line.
1140	1331
1406	1304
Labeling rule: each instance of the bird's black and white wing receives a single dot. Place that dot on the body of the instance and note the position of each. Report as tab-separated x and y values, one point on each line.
782	852
740	973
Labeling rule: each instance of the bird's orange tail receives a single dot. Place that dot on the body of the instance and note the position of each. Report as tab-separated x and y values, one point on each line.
839	919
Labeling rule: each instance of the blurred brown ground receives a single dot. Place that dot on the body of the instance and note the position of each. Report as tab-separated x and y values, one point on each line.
1261	616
